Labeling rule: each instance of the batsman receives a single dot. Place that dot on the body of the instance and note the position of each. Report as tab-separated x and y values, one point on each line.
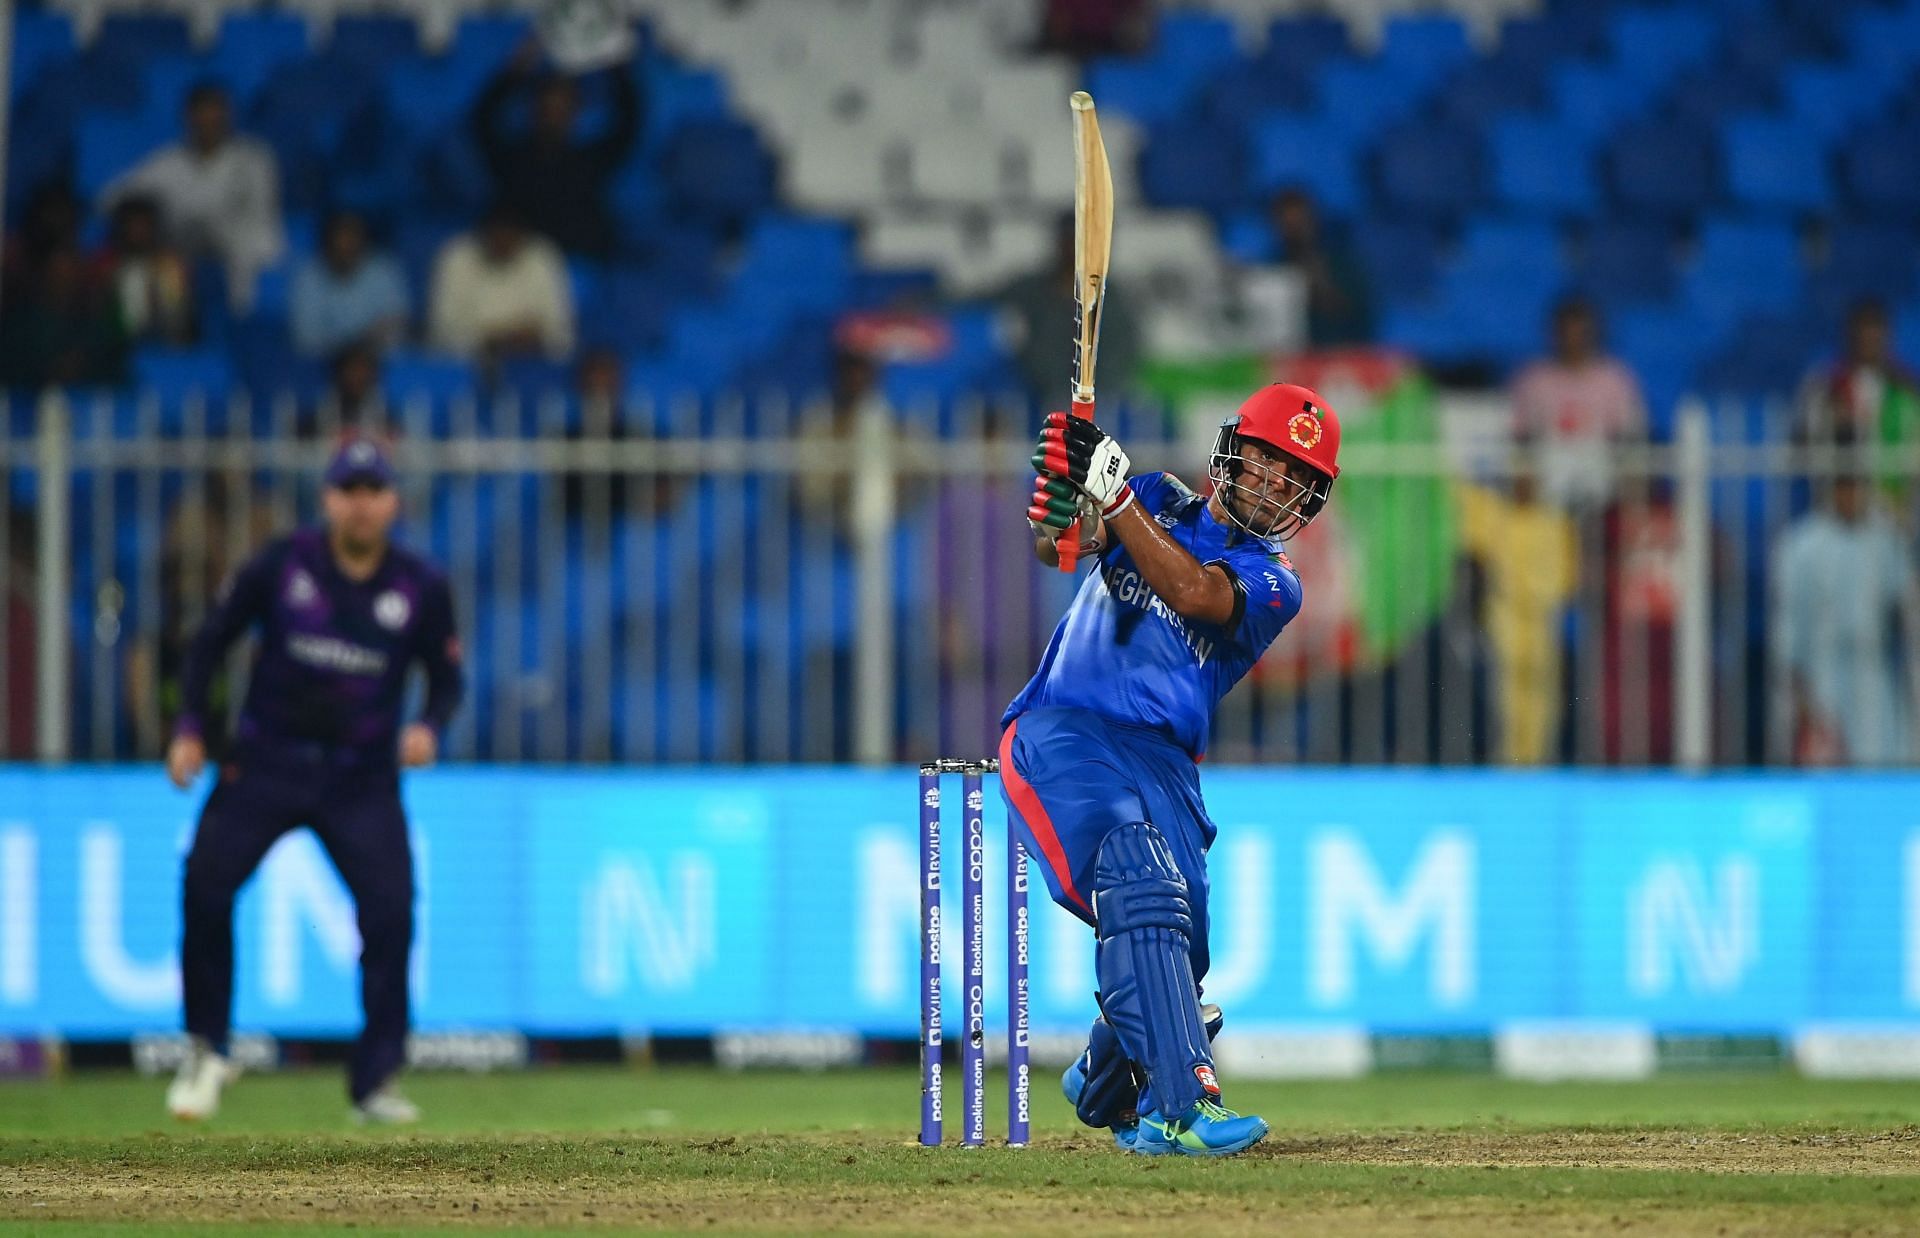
1099	752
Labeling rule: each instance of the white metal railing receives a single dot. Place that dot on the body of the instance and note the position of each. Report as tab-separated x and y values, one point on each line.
753	580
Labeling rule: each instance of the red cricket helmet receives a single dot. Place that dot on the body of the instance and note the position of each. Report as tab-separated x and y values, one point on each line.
1293	421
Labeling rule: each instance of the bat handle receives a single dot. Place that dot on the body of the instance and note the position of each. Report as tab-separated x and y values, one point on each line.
1068	544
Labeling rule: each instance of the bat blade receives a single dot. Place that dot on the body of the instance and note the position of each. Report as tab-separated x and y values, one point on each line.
1092	251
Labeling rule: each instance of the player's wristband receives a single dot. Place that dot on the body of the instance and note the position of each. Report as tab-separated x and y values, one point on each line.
1119	503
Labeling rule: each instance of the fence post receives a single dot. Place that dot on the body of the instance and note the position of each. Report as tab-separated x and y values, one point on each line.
872	475
54	464
1692	629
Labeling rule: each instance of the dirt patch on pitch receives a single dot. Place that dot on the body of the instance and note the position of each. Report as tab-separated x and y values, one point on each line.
1817	1152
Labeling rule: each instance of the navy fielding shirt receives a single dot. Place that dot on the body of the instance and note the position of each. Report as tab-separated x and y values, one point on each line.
330	668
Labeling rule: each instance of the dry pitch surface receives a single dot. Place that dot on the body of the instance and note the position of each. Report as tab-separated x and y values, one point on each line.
702	1151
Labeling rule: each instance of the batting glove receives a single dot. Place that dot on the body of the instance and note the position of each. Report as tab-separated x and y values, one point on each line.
1076	450
1055	505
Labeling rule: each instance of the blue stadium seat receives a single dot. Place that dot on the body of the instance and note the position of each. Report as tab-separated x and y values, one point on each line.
1769	354
1597	99
1776	164
1878	259
1664	346
1488	89
252	46
1139	88
133	37
1881	172
165	81
1543	165
799	247
1400	256
1431	168
1523	251
179	377
110	143
1561	32
1743	267
1196	42
717	170
1361	98
413	380
1289	149
1887	38
1428	45
424	101
1653	44
1706	97
1247	87
1831	99
41	38
373	41
1662	170
484	41
1765	246
676	96
1623	263
1201	166
1297	46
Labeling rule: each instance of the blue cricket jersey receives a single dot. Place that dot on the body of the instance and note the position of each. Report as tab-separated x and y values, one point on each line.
1122	653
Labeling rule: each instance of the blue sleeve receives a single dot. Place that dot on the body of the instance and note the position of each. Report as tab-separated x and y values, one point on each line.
1156	490
1268	590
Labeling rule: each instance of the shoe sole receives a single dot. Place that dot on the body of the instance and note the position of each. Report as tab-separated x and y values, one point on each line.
1228	1150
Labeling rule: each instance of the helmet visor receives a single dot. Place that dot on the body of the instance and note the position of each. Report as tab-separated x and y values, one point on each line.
1265	492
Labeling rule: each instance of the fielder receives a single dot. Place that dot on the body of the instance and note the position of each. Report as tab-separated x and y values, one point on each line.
1099	752
342	615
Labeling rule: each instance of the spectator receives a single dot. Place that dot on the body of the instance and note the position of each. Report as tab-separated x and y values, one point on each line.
600	382
1339	303
347	294
499	291
1866	396
1088	28
1578	404
147	280
354	392
1038	310
1529	554
61	330
51	225
218	193
554	179
1845	630
1641	580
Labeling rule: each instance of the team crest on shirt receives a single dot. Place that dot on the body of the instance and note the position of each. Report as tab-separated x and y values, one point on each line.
392	610
301	591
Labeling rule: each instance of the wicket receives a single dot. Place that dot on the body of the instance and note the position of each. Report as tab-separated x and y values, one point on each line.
973	1065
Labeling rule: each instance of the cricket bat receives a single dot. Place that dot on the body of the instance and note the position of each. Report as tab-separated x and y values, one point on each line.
1092	247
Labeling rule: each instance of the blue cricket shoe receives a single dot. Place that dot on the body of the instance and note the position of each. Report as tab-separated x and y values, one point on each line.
1207	1129
1073	1083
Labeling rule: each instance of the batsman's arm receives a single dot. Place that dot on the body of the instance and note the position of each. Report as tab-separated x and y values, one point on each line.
242	604
1203	593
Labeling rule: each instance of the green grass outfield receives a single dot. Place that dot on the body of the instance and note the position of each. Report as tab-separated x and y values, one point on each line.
695	1150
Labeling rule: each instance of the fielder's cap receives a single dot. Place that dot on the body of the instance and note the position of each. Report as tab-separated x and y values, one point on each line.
360	462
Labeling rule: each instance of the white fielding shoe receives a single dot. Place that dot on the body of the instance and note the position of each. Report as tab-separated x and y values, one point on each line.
194	1094
386	1107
